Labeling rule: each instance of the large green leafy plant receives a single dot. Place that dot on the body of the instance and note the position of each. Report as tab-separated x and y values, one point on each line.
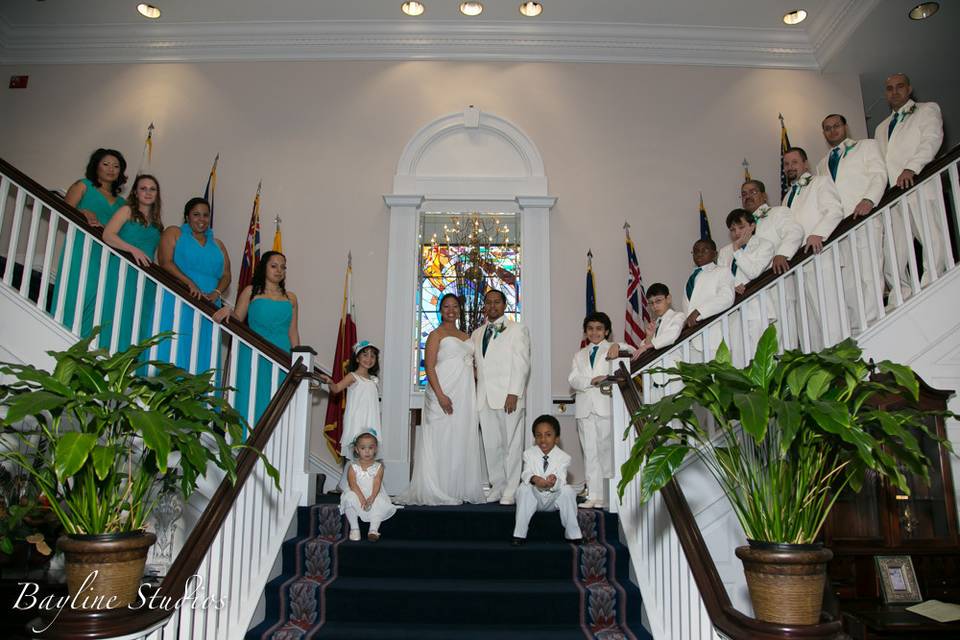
97	436
792	431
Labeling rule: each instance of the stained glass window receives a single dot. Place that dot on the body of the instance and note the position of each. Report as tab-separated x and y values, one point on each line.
467	254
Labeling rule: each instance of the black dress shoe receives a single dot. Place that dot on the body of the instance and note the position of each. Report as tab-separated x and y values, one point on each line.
518	542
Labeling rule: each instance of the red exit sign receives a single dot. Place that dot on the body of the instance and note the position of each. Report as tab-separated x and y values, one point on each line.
19	82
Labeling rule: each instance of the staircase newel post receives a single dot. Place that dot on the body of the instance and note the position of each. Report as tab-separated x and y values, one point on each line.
304	481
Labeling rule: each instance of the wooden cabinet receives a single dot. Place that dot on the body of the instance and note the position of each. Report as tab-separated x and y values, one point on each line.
881	520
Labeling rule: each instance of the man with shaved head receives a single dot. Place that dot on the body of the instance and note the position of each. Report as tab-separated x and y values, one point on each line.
909	139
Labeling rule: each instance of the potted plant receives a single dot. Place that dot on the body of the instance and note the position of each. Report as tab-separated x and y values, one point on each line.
97	437
792	432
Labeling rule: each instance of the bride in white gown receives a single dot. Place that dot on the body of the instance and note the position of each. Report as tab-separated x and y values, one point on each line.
447	458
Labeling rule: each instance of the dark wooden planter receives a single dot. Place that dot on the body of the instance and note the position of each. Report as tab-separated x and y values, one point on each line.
118	560
786	581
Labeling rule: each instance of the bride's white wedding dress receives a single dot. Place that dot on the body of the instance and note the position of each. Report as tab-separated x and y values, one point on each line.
447	458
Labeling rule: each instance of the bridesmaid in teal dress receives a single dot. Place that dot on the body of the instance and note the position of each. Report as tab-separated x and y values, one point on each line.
134	228
97	196
193	256
271	311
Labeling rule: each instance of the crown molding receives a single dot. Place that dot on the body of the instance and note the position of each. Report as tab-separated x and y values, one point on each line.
390	40
833	27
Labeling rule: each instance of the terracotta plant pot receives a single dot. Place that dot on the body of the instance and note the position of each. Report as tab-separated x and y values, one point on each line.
118	560
786	580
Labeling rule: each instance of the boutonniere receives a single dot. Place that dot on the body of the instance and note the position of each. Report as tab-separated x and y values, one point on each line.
761	212
908	112
847	147
498	329
804	181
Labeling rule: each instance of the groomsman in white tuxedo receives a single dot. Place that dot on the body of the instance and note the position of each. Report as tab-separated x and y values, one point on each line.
502	356
909	139
709	291
815	203
858	169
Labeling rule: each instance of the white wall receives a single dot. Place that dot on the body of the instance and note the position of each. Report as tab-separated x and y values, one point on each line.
619	142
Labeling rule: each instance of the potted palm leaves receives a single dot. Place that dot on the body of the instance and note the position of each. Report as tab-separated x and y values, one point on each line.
792	431
97	436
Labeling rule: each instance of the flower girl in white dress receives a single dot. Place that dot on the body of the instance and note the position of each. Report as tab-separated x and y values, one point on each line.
365	500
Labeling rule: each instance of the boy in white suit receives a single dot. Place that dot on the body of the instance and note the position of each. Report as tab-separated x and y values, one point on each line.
815	203
709	290
590	367
669	322
544	482
858	170
502	358
747	256
909	139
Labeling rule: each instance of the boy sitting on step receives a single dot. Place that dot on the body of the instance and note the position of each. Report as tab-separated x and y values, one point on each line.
543	482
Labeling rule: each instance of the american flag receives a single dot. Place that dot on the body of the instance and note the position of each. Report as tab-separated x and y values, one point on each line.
784	145
637	314
251	249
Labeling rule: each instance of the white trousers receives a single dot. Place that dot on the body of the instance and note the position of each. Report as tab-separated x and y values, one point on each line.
530	500
934	257
856	248
596	440
503	448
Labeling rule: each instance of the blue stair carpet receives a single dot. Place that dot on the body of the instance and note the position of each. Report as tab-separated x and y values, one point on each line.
450	572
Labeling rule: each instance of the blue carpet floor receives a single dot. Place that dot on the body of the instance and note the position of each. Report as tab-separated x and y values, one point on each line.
450	572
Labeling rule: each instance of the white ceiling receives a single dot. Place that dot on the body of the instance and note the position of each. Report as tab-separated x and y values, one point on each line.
712	32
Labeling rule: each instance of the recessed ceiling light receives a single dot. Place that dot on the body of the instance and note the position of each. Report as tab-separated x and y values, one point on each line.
412	8
471	8
531	9
148	11
924	10
795	17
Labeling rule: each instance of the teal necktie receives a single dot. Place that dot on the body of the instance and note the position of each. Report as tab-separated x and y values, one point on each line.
593	354
893	124
834	162
793	192
487	334
692	280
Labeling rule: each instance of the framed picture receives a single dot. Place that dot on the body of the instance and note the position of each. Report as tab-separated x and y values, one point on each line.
898	580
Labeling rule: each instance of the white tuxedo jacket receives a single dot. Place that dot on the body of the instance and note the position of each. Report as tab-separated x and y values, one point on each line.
752	259
668	328
712	292
589	398
777	226
557	462
505	367
862	173
817	208
915	141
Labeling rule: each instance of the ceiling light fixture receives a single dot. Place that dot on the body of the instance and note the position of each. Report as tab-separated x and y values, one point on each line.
471	8
412	8
924	10
531	9
148	11
795	17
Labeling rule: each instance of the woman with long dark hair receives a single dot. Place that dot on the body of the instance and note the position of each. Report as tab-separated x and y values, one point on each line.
270	310
97	197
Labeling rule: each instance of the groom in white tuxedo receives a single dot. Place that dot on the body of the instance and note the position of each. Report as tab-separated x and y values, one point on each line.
502	356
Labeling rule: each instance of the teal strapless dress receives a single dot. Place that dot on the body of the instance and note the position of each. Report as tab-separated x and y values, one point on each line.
145	238
202	263
93	200
271	319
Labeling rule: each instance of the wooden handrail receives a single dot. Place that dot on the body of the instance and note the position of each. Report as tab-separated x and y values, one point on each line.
768	276
723	615
54	201
94	625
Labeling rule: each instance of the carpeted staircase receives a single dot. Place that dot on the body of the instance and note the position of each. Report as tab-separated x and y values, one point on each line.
450	572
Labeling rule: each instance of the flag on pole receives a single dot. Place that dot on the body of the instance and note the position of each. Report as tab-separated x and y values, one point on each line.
704	223
210	191
591	290
637	315
784	145
746	171
277	238
251	249
346	339
147	150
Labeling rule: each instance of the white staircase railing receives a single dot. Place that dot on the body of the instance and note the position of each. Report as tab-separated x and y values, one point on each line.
674	606
38	232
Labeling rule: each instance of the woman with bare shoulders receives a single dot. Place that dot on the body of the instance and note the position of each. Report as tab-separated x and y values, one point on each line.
446	465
